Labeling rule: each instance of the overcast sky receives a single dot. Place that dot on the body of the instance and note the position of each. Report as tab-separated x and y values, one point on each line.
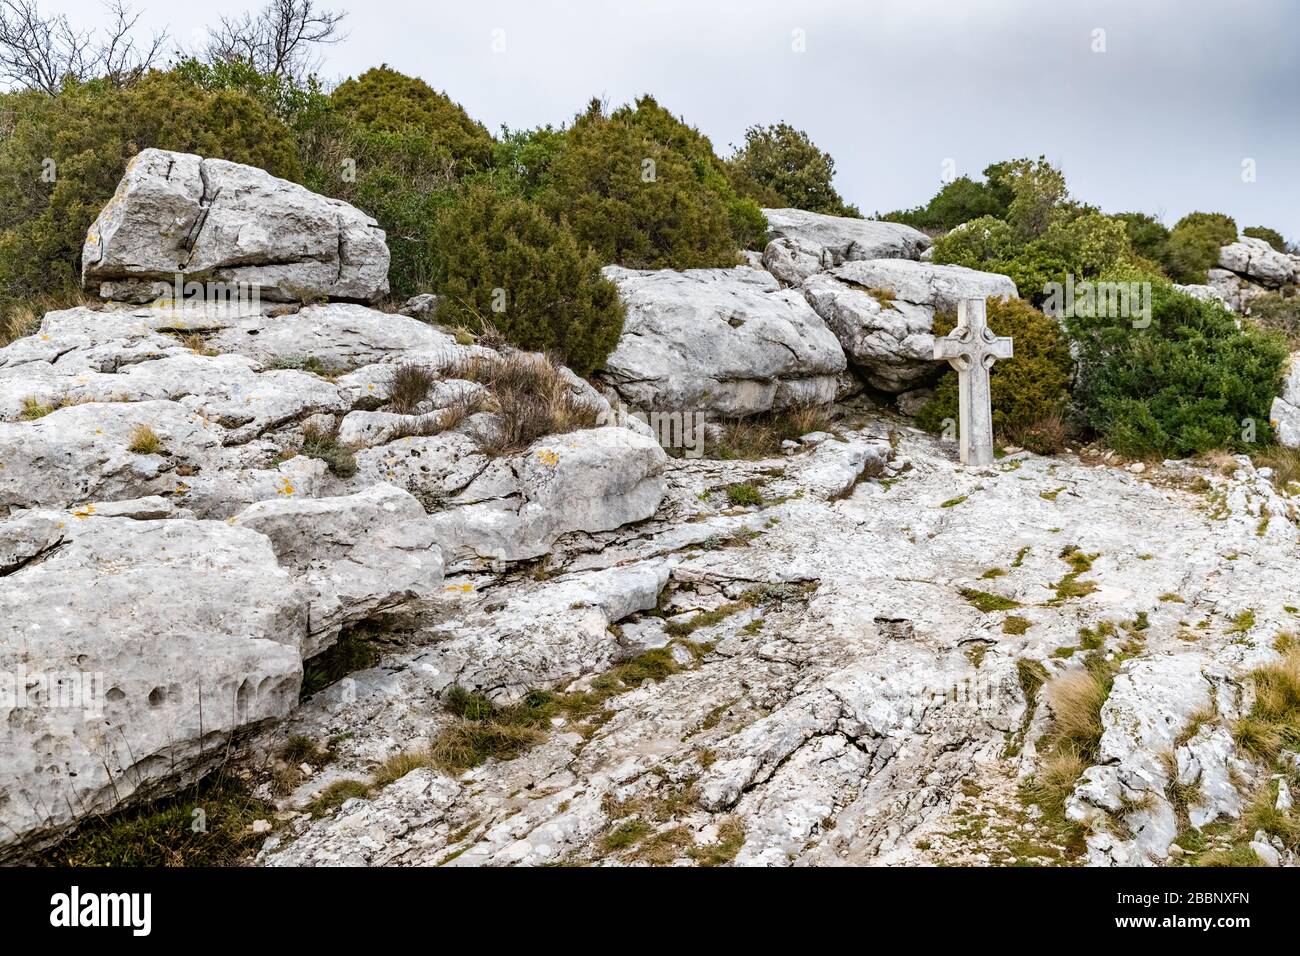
1185	92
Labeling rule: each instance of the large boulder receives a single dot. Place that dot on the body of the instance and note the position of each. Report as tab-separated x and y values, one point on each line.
359	555
517	507
882	311
804	242
209	220
1256	260
730	342
130	652
1285	413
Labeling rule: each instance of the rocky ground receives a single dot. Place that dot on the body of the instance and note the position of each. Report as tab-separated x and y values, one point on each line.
436	600
841	688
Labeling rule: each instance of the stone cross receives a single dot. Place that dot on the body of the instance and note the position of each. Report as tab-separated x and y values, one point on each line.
971	349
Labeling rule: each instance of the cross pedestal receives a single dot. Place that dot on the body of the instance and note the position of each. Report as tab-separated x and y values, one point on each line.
971	349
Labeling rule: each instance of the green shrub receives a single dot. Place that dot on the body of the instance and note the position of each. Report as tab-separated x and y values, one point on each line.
1279	312
1146	234
552	297
1193	245
1271	236
636	201
395	148
384	100
780	166
1027	388
90	131
960	201
748	224
1189	382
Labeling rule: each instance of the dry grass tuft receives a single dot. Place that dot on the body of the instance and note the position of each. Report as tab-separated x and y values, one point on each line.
1049	435
144	441
1076	698
409	386
1273	723
532	398
761	436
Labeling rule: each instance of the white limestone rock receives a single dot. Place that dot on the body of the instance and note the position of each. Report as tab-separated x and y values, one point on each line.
179	214
81	453
1285	412
181	632
516	507
804	243
358	555
1257	261
729	342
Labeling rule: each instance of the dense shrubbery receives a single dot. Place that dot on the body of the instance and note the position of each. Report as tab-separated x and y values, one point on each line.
1029	388
90	131
636	200
962	200
505	264
780	167
1042	237
1190	382
748	225
1279	312
1193	245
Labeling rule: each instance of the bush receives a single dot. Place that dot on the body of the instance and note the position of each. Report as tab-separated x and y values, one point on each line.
504	262
780	166
1146	234
90	131
1271	236
395	148
959	201
1279	312
1190	382
386	101
1193	245
636	201
748	224
1028	388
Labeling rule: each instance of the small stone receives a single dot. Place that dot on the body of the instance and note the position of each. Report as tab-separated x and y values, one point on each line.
1175	850
1283	796
261	826
1267	855
1137	468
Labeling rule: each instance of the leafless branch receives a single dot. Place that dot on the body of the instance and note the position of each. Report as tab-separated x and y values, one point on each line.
281	39
41	52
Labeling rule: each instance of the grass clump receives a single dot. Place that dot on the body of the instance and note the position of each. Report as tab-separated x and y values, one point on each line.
531	398
1242	623
731	837
1273	723
408	387
33	408
954	502
986	602
1014	624
744	495
324	445
208	825
338	793
760	436
144	441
